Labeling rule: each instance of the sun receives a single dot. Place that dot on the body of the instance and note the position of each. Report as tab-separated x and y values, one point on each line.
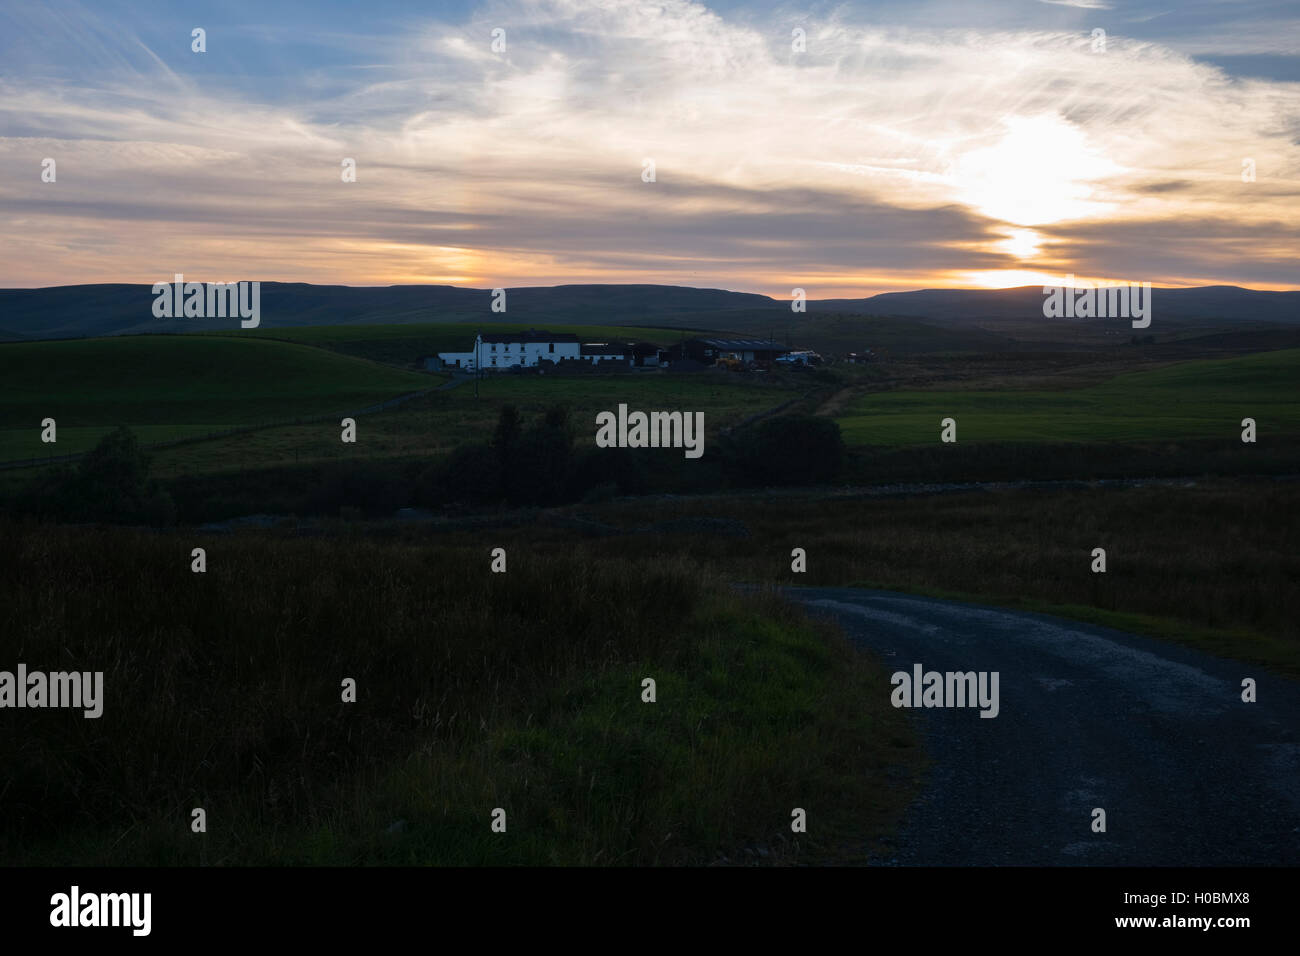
1041	170
1021	243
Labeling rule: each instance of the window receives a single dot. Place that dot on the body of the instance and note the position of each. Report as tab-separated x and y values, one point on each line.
552	347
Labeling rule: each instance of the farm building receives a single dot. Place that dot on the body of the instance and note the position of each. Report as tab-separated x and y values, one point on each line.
503	350
624	354
644	354
709	351
603	353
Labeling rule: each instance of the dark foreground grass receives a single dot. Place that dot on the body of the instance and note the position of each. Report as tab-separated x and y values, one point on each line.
474	691
1213	565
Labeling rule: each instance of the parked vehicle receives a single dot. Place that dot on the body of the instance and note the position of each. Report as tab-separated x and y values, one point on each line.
801	357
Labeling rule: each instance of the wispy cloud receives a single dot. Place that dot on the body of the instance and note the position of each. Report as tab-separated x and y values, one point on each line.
876	158
1083	4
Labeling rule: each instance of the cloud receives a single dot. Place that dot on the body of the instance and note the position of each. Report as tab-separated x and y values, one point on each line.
1083	4
875	158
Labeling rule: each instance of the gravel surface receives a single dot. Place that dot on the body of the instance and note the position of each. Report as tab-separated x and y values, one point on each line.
1155	734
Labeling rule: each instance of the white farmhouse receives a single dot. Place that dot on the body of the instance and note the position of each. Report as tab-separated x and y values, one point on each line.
502	350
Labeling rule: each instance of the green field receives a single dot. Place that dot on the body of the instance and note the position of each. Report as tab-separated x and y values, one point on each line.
187	386
434	424
1202	399
173	386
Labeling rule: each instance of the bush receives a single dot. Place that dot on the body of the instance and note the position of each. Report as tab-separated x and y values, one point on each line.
110	484
535	470
470	473
530	466
787	450
618	468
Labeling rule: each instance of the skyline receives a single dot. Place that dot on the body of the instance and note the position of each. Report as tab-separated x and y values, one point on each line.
1002	149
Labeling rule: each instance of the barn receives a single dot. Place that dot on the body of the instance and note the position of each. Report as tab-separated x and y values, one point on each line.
708	351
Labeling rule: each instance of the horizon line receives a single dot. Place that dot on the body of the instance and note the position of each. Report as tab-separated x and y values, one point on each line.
659	285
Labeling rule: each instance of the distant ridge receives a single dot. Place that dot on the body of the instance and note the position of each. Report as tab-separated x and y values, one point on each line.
116	309
1026	302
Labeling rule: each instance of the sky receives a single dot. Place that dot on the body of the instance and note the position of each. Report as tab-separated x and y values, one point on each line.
843	149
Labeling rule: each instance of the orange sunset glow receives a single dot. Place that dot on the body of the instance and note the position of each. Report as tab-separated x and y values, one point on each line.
874	159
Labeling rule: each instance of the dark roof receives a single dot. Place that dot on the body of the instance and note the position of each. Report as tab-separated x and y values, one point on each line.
531	335
742	345
603	348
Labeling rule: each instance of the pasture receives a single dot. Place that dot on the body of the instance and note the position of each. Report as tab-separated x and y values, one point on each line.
1199	399
172	386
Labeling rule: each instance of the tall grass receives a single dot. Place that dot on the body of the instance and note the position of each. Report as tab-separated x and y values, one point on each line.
1215	564
474	691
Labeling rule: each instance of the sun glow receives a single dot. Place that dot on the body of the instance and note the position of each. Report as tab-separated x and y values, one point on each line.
1021	243
1042	170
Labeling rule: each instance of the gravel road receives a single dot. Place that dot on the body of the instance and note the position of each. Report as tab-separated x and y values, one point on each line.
1155	734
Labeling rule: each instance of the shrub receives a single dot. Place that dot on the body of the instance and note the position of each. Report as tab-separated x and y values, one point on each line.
787	450
110	484
470	473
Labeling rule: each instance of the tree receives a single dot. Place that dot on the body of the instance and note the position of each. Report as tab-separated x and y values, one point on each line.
535	471
509	425
111	483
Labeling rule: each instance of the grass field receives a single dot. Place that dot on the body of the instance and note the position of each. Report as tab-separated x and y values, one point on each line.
1212	565
170	387
474	691
173	386
433	425
1200	399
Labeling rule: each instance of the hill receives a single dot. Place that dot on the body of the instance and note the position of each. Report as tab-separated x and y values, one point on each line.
166	387
90	310
1208	303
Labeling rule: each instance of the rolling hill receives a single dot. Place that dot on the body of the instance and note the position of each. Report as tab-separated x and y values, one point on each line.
166	387
89	310
1208	303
